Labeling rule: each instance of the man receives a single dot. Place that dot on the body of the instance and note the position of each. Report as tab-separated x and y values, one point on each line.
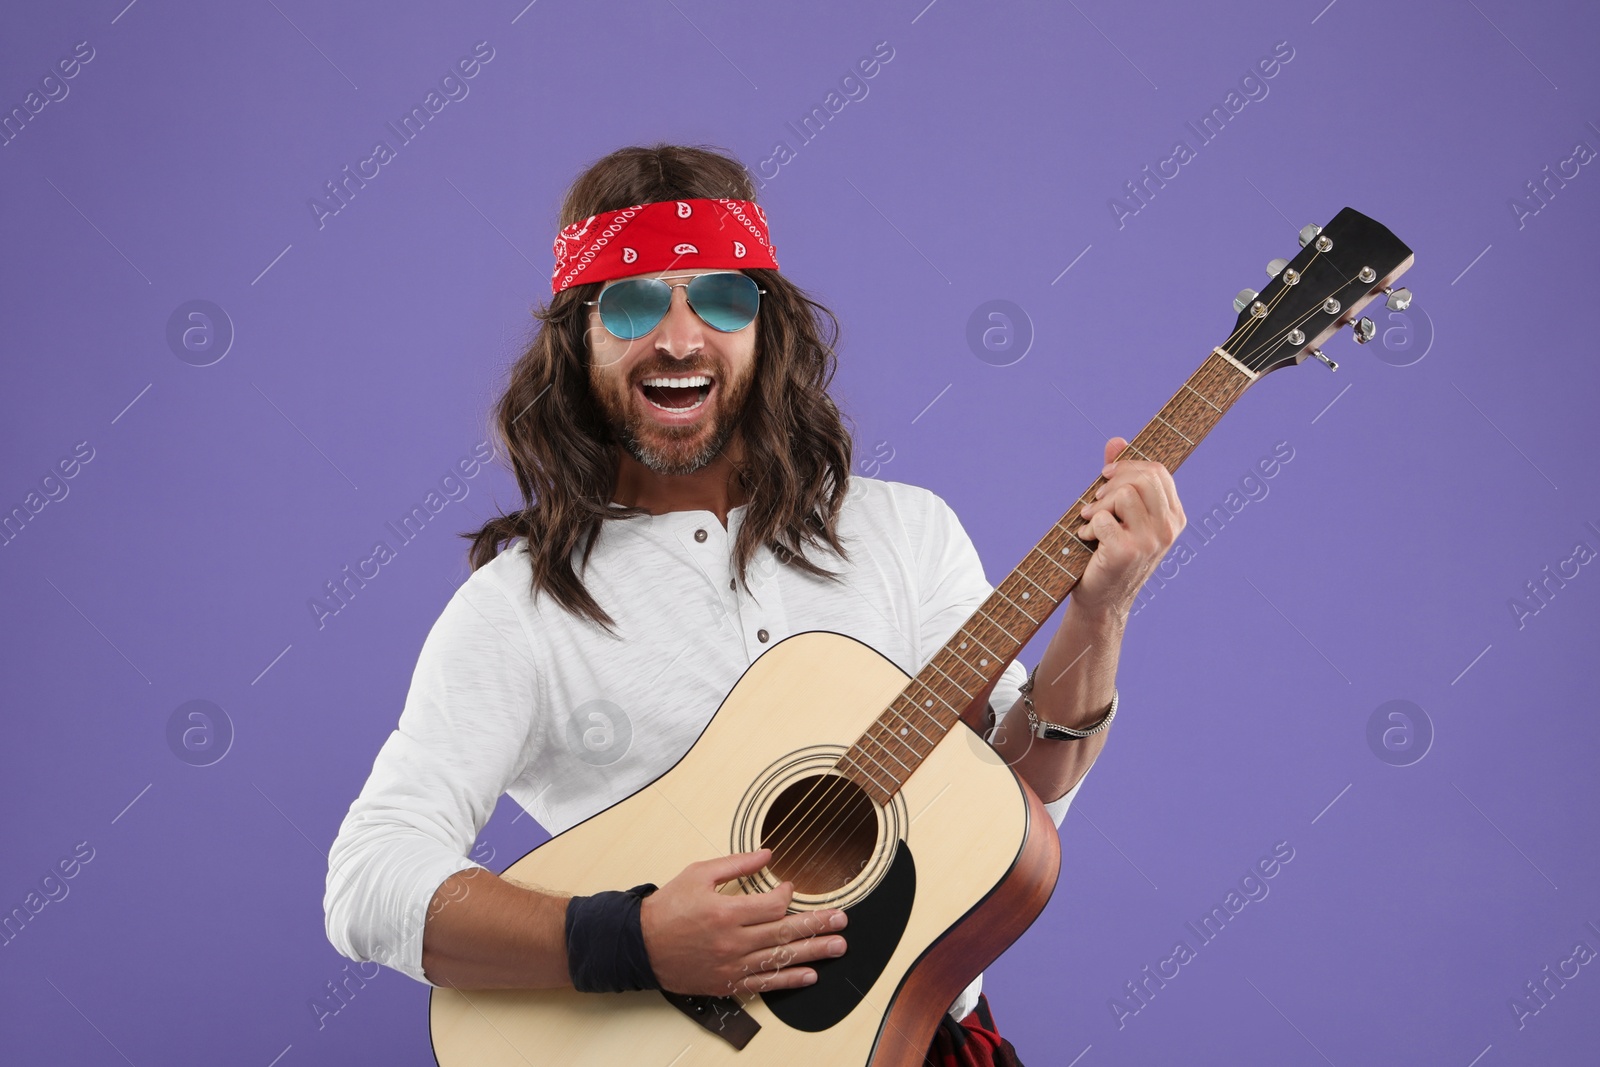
688	503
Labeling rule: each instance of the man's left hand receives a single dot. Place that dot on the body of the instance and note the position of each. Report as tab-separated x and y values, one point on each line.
1135	516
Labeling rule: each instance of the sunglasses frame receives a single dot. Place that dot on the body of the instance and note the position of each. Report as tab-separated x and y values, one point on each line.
760	292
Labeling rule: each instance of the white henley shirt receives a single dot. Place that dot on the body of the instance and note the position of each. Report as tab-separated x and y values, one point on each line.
513	694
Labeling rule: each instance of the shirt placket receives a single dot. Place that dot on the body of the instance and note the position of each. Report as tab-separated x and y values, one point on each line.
756	615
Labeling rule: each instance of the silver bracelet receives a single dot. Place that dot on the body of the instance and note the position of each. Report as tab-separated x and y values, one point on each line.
1050	731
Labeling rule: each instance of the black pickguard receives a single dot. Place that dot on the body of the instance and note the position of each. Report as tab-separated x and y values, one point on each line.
871	936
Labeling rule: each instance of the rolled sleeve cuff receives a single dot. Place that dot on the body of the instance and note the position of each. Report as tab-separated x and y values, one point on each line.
391	933
1058	807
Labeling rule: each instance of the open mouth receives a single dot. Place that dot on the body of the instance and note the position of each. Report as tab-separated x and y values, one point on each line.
677	394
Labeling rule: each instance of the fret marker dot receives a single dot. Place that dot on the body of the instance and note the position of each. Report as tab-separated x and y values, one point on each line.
983	663
963	644
927	703
903	731
1025	596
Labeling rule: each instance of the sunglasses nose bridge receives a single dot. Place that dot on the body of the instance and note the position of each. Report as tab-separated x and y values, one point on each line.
681	319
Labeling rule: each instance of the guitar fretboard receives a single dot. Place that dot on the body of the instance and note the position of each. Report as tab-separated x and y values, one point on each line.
890	750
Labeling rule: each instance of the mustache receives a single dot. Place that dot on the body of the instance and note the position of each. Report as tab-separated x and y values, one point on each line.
674	369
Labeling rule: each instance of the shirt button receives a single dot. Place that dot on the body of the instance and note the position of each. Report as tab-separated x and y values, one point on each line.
699	535
733	583
761	635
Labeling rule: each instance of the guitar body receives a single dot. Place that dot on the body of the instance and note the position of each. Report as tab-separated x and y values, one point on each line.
938	881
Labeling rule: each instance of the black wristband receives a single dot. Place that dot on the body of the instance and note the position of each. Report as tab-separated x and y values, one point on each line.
605	942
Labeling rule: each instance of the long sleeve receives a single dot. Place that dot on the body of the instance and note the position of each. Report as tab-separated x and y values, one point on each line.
954	586
464	735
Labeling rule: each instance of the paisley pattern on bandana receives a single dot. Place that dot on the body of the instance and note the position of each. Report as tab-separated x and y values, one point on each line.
698	233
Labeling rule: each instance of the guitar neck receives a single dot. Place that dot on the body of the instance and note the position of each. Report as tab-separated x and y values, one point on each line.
894	746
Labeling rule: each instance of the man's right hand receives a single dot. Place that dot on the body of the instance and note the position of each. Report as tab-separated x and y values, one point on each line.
704	942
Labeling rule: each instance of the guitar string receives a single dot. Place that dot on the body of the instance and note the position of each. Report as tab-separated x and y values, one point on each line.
822	811
829	794
1242	334
777	839
1278	338
826	799
837	827
822	808
842	832
826	780
815	807
809	805
829	818
835	787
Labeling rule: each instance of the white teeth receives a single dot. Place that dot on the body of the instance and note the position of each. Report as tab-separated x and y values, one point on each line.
675	411
679	383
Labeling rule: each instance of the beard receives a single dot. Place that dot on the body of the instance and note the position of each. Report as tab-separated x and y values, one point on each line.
672	449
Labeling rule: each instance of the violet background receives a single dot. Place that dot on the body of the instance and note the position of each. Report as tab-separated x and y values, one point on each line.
1439	471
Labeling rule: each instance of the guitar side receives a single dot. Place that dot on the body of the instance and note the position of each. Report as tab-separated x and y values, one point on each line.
987	849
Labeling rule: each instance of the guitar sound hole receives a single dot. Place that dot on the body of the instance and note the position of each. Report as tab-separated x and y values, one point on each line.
823	830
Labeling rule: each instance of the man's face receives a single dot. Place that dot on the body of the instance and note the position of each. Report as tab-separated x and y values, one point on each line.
674	396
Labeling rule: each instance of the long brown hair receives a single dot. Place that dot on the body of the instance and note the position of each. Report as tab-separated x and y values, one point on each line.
797	451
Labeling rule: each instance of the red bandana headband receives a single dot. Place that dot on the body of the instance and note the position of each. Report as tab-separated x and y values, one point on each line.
662	236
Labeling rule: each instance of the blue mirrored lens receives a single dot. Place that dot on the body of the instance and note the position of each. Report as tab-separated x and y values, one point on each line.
726	302
630	309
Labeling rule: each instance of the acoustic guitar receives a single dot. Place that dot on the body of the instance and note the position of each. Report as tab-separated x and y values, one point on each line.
871	792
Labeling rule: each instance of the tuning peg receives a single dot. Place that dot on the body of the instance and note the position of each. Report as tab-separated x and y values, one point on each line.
1245	298
1365	330
1309	233
1399	299
1275	267
1331	364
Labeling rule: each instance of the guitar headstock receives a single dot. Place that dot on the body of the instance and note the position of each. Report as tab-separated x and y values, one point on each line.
1340	268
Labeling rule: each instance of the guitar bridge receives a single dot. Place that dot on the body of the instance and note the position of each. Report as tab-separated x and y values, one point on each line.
722	1016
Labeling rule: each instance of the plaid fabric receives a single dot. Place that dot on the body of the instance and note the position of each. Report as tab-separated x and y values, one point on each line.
973	1042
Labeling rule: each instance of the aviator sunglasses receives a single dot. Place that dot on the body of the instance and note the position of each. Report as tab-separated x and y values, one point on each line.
724	300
